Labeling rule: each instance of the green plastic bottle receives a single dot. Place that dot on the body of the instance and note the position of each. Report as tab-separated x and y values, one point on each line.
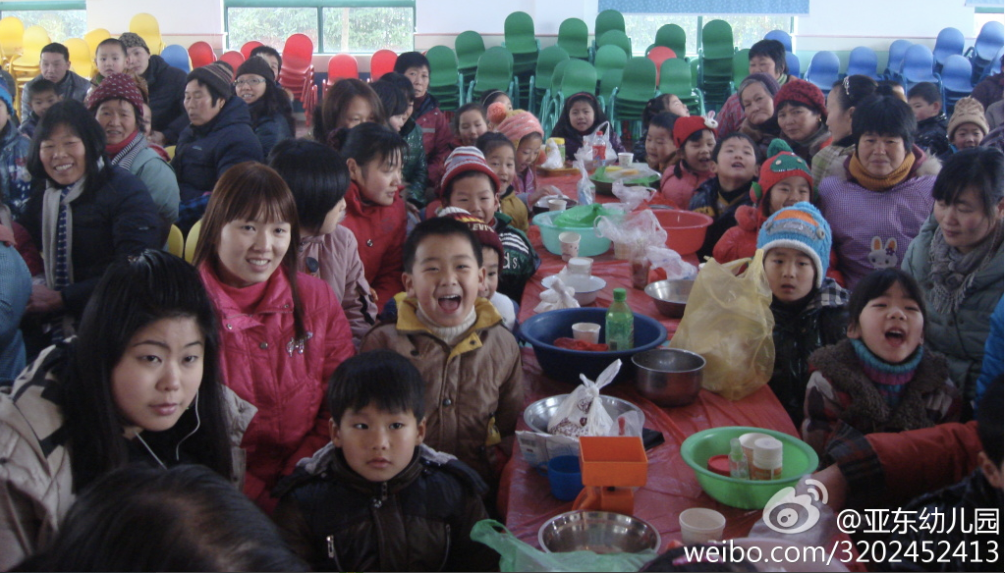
620	323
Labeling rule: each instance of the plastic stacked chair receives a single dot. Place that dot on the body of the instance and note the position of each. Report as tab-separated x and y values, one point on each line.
469	46
782	36
340	67
674	37
609	57
986	47
495	72
201	54
176	242
576	76
609	81
824	70
956	81
444	79
792	63
192	240
81	57
741	66
895	61
547	60
95	37
234	58
546	103
11	35
146	26
177	56
676	79
918	64
638	86
716	55
863	61
993	67
606	21
949	42
573	37
519	39
297	74
660	54
382	62
26	66
249	46
615	38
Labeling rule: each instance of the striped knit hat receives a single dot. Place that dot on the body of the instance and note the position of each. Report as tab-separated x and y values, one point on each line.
800	227
781	164
462	160
487	236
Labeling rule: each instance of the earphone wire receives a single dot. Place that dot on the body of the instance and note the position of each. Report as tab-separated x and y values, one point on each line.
144	442
198	422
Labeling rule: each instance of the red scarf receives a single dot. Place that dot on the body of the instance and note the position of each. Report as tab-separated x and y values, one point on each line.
113	149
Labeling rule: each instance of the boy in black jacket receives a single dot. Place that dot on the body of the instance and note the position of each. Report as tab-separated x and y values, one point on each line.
926	101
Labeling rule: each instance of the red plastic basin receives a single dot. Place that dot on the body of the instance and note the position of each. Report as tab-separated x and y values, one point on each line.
685	229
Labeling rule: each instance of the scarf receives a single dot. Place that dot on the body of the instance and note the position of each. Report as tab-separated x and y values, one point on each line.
953	272
890	379
871	183
57	233
126	151
449	334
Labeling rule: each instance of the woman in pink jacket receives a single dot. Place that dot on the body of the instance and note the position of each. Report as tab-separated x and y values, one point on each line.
282	333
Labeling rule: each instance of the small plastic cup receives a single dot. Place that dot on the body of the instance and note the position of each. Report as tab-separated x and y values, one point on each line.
570	244
565	478
625	159
556	204
701	525
586	331
580	267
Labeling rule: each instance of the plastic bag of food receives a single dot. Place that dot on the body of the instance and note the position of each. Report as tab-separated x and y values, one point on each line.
671	262
582	216
600	137
631	233
636	171
552	158
582	413
557	296
631	196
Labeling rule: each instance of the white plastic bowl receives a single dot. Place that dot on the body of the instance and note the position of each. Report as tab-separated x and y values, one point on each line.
586	290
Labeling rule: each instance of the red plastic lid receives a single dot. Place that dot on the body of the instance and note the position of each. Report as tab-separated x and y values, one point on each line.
719	464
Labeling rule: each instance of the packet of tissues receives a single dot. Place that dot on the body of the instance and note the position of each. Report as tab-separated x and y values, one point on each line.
558	294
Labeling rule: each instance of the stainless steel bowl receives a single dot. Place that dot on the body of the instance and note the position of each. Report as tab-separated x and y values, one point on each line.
670	297
539	413
668	376
597	531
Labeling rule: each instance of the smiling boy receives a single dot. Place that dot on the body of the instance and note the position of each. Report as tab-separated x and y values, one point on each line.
469	361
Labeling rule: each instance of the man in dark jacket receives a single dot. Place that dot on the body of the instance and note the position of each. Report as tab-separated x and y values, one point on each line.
219	136
54	63
166	86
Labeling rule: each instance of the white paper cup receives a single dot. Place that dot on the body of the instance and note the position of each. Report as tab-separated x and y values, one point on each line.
625	159
570	244
701	525
586	331
580	266
556	204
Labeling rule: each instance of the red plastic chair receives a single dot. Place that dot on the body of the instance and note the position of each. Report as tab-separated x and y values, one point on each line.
297	69
342	66
658	55
381	63
248	46
235	59
202	54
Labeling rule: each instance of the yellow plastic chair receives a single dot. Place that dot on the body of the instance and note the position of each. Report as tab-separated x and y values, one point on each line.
95	37
81	59
146	26
35	38
170	150
11	33
176	242
192	240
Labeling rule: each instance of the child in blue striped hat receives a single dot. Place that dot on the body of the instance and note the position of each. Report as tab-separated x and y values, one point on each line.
807	305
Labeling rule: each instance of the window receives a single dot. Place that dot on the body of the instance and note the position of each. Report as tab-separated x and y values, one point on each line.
747	28
340	25
62	20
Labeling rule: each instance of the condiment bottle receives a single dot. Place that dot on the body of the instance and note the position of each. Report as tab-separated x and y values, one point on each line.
767	462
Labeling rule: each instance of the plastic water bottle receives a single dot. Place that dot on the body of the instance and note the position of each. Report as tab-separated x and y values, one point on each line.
620	323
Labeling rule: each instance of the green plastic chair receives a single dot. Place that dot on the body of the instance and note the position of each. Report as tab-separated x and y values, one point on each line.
717	40
616	38
741	65
609	20
574	77
638	86
673	37
469	47
609	81
540	82
518	31
573	36
676	79
495	72
444	80
609	57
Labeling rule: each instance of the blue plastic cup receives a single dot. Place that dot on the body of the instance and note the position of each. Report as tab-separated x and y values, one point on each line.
565	477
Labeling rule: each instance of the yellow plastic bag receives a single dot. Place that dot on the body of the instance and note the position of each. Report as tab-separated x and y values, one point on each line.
728	321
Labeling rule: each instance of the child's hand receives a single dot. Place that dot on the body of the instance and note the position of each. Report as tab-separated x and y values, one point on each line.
542	192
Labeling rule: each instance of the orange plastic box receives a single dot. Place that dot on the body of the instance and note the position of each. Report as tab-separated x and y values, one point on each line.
613	461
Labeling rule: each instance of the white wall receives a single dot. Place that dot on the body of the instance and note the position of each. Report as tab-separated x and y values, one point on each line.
181	21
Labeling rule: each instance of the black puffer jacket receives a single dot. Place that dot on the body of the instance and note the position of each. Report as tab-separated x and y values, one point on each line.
420	520
167	91
798	332
206	151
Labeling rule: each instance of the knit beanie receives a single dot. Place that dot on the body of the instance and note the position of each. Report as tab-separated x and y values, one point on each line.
803	92
685	126
5	96
487	236
131	40
519	124
116	86
257	66
770	84
967	110
462	160
800	227
215	76
781	164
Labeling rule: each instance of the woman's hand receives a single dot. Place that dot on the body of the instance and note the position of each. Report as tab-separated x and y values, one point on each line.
43	299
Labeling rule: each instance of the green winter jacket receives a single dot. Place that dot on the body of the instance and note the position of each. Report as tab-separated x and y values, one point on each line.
961	334
415	173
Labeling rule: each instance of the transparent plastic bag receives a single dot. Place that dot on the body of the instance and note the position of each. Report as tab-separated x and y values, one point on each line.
586	191
728	321
631	196
515	555
671	262
636	171
601	134
582	413
631	233
557	296
553	159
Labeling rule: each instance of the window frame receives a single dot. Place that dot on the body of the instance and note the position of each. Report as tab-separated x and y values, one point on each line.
319	6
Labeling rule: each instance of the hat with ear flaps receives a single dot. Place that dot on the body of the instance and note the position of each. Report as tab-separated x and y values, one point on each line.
781	164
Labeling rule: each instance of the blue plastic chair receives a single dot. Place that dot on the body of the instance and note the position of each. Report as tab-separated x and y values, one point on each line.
918	63
824	70
863	61
895	62
176	56
782	37
956	81
989	41
792	63
949	42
